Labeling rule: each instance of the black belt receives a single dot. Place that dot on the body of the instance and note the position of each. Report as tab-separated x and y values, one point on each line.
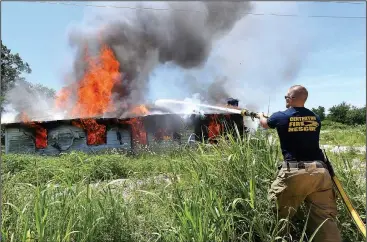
301	164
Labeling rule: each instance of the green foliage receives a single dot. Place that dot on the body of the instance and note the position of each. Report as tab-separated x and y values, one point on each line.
341	114
349	137
347	114
12	67
356	115
206	193
328	124
76	167
338	113
37	88
333	133
320	111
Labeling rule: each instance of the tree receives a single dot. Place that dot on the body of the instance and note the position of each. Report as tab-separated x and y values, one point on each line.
347	114
320	111
338	113
356	116
37	88
12	67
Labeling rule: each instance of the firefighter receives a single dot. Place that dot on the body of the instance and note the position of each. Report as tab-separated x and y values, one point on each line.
302	176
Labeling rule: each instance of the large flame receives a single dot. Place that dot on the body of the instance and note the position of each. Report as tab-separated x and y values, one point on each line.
41	133
96	133
91	97
138	132
94	90
94	98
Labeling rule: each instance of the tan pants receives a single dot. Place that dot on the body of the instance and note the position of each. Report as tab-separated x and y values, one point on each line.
314	186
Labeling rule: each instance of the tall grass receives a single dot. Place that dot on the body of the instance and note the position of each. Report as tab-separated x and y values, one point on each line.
206	193
342	134
351	137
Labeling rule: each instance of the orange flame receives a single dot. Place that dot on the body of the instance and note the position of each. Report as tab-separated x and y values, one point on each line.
41	133
138	133
94	98
96	133
140	110
62	97
94	91
214	128
162	134
24	117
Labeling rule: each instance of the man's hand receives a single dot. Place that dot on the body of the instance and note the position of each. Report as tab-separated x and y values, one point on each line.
263	120
260	115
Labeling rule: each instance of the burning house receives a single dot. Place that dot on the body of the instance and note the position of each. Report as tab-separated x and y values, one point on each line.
154	131
100	109
99	113
95	118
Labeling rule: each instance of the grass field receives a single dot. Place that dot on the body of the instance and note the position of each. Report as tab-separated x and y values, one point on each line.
206	193
339	134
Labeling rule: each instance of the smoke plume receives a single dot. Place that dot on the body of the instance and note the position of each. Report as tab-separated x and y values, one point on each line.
258	58
216	49
145	38
31	100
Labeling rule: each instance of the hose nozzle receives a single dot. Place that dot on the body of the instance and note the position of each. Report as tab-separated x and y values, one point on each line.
252	115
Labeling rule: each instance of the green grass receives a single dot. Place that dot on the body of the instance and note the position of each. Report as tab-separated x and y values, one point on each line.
341	134
348	137
212	193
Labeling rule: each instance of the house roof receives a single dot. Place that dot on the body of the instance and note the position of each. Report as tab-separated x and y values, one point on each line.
153	111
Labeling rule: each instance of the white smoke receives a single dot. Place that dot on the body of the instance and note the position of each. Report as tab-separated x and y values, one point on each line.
26	98
260	55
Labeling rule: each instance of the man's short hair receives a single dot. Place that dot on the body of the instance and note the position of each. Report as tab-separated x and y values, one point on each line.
299	91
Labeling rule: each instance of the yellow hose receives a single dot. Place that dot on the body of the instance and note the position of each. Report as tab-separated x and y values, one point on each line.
357	219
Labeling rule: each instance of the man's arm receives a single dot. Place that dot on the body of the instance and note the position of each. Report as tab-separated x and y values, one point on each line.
263	121
271	122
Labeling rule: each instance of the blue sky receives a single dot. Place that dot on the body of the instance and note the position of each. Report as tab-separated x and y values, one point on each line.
333	51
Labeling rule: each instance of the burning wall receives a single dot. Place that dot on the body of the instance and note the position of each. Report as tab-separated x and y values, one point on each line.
155	131
67	135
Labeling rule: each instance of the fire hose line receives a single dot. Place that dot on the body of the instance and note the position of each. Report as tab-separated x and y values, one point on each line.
355	216
352	211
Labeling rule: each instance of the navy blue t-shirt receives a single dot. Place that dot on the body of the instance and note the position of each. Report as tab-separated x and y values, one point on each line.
299	131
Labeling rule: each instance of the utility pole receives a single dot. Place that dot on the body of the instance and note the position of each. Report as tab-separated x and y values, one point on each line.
268	106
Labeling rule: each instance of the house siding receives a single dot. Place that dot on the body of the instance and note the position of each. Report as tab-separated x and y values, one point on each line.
64	138
19	140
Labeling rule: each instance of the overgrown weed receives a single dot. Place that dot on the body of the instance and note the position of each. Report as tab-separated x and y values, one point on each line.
203	193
